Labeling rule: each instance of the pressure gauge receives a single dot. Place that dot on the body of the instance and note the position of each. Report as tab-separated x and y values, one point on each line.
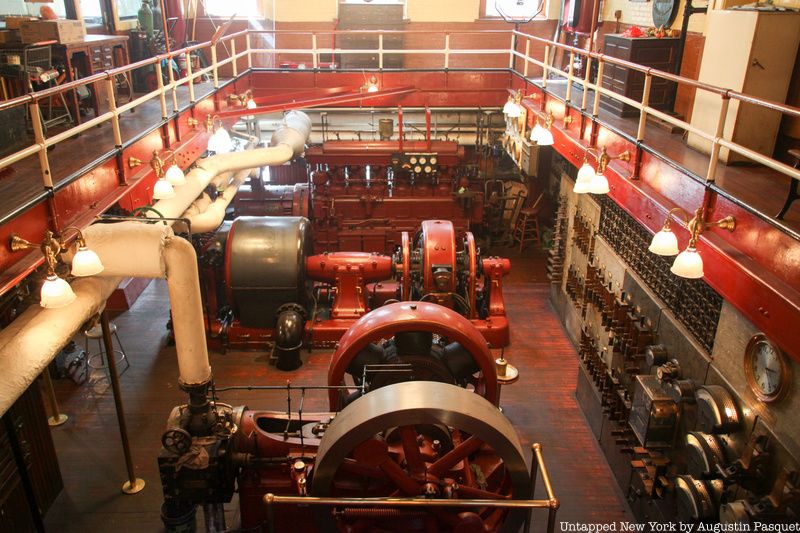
412	160
767	372
433	160
428	169
423	160
417	169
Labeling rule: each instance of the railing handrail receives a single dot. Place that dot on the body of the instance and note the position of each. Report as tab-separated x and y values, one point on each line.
511	50
722	91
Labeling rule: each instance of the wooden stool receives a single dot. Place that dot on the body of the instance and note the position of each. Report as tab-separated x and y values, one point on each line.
792	195
96	333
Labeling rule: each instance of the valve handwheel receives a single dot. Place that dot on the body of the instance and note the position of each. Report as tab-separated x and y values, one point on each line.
176	440
421	439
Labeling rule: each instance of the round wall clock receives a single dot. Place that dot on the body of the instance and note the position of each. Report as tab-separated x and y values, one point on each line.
766	369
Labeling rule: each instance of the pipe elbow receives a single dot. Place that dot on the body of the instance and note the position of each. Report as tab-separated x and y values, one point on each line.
289	338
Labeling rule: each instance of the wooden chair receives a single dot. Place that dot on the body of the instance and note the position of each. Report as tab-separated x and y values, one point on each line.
527	227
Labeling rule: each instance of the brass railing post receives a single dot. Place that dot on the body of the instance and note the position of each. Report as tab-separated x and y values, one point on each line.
249	50
648	82
112	107
570	76
714	159
173	85
57	417
214	65
446	51
38	137
314	53
598	83
527	57
545	64
234	65
162	97
380	51
587	76
190	76
134	484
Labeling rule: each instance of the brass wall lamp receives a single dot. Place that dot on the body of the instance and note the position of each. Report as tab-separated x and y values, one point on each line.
594	181
167	180
220	141
542	135
688	263
243	99
56	292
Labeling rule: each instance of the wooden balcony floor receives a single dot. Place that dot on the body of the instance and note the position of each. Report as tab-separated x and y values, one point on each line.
22	182
541	405
755	185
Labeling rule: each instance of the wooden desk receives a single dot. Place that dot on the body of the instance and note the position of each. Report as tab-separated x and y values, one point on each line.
100	53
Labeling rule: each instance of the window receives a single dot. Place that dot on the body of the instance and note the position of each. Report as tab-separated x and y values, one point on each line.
514	9
229	8
92	12
20	7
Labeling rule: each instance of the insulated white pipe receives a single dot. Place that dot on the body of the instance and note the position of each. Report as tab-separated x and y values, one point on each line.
27	351
213	215
287	142
136	249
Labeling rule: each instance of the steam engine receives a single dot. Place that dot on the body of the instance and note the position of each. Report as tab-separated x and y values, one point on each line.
427	428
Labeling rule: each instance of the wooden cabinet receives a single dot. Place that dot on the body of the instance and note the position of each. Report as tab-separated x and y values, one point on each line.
32	456
648	51
751	52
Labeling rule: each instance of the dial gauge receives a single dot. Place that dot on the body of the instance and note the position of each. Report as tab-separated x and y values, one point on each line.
428	169
423	160
412	160
433	160
767	372
417	169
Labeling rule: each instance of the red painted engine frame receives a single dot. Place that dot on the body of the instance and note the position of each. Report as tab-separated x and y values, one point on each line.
349	279
386	321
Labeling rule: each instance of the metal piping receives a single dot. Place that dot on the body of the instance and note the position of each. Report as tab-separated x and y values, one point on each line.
287	142
26	351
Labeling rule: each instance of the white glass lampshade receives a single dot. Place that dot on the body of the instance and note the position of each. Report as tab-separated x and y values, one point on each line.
163	190
584	181
372	88
509	105
251	104
536	133
515	111
664	243
175	176
220	142
56	293
545	138
599	184
688	264
86	263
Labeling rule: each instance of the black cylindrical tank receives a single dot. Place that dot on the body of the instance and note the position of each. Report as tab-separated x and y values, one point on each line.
265	267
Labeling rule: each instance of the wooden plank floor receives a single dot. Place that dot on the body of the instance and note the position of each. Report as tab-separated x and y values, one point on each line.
541	406
22	181
755	185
